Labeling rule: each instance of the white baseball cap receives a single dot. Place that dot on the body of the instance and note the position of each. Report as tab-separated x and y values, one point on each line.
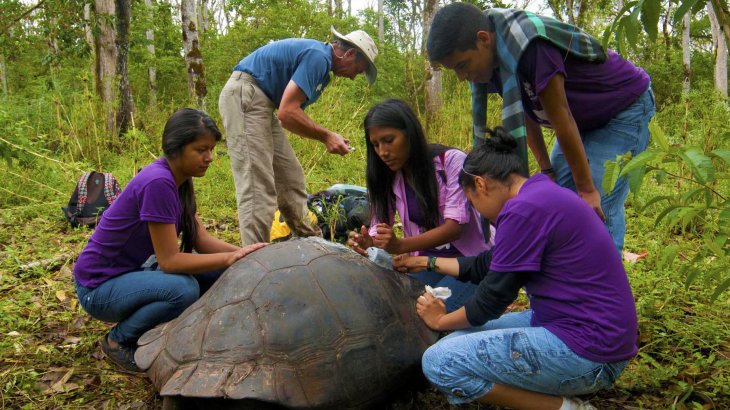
365	45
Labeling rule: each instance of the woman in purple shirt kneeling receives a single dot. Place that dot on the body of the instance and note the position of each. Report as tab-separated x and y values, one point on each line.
581	328
421	182
132	271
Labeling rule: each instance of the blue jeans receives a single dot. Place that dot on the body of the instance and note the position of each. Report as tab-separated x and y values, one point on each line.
461	292
628	131
138	301
466	364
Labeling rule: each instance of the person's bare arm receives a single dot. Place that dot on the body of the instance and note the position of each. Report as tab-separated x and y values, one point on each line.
536	142
406	263
294	119
555	105
447	232
433	312
171	260
206	243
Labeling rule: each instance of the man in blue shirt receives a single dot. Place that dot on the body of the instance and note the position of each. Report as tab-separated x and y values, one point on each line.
285	76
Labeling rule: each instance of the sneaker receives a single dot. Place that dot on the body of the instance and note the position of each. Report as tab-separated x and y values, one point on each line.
123	356
574	403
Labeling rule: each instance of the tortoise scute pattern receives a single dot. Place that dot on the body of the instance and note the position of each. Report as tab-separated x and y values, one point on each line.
303	324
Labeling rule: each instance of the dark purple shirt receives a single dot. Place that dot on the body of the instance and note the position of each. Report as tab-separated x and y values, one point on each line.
596	92
580	292
121	242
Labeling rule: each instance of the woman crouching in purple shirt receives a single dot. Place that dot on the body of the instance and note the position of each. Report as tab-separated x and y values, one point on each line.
132	271
581	328
421	182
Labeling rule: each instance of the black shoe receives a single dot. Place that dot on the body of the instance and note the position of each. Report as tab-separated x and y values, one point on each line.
123	356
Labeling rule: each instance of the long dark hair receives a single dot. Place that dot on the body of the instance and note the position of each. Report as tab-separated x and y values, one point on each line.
183	128
496	158
397	114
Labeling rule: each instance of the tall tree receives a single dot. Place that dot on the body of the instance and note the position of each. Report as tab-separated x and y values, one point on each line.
720	48
433	75
106	56
4	74
126	103
339	10
152	67
381	26
203	15
88	31
193	56
686	53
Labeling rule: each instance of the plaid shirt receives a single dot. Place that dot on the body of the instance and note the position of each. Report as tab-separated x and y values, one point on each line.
515	29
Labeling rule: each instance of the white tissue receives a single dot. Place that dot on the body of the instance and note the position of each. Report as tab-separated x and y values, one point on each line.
439	293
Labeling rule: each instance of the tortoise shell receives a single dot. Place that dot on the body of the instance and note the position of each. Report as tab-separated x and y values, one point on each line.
302	324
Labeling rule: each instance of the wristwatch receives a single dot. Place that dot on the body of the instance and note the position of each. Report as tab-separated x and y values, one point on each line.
431	265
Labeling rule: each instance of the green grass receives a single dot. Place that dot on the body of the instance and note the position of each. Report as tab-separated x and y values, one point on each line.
49	352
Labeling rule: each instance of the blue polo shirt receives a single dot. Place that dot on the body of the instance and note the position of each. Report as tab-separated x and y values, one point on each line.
306	62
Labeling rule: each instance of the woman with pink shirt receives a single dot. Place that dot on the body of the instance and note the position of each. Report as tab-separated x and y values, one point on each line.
420	181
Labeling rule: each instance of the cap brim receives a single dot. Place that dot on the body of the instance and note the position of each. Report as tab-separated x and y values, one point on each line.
371	72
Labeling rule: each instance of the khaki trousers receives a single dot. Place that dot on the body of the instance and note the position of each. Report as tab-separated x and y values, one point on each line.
266	171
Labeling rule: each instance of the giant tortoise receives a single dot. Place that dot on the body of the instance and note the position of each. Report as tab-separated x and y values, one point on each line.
299	324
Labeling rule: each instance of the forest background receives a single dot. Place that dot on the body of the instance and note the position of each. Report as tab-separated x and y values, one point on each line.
88	85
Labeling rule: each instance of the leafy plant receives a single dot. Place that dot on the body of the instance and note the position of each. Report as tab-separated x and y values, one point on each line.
699	206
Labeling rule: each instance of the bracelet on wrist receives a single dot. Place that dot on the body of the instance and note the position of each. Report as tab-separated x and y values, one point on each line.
431	265
547	171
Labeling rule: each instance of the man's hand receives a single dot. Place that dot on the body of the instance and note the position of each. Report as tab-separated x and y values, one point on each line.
335	144
406	264
430	309
360	242
593	198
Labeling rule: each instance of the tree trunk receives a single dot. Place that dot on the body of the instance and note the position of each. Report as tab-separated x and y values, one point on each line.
555	8
193	56
339	10
349	8
720	46
582	7
152	68
722	18
381	25
88	32
665	27
126	104
204	23
686	53
4	74
52	43
106	57
433	76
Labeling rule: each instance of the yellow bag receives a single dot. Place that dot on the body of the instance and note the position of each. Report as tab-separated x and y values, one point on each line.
280	230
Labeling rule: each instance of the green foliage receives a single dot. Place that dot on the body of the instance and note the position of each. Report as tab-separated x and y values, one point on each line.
51	130
699	207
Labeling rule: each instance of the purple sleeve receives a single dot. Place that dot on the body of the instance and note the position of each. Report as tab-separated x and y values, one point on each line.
519	243
455	204
159	203
540	62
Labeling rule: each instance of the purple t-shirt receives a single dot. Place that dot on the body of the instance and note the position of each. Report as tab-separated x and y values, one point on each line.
581	292
596	93
121	242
